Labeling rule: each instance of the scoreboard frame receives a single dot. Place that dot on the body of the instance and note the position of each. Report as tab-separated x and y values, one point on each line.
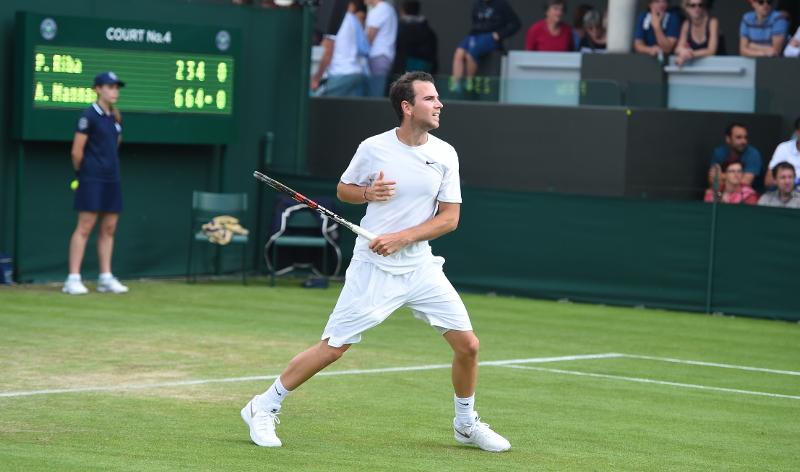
37	123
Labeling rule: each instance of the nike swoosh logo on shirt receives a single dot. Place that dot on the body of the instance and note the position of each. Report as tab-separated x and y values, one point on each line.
429	163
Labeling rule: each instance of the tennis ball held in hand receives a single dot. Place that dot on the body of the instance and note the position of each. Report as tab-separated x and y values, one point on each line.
74	184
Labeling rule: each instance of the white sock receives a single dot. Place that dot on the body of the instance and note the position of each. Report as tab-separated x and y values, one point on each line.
74	278
465	409
106	276
271	399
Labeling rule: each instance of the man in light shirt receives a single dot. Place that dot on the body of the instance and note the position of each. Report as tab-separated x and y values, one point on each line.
787	151
340	59
409	181
382	35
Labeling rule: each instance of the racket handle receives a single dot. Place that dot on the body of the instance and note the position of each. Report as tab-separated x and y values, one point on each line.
364	233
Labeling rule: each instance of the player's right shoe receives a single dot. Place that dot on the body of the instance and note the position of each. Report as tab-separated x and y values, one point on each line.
110	285
480	434
262	424
74	287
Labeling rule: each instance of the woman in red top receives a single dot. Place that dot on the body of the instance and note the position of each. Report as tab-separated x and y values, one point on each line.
550	34
732	190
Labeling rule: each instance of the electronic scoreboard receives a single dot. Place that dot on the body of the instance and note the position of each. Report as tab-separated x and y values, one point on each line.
180	80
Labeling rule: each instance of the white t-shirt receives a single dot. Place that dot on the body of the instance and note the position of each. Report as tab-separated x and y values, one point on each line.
345	48
425	175
786	152
383	17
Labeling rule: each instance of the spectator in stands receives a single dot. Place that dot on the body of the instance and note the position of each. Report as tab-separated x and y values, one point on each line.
699	33
793	48
594	39
340	58
551	34
763	31
578	28
785	196
788	151
382	35
736	149
417	46
732	189
492	22
657	30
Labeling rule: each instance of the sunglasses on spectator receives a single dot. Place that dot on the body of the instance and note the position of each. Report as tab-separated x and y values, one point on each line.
694	5
763	2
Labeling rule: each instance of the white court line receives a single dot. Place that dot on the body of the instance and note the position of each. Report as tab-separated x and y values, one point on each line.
109	388
651	381
711	364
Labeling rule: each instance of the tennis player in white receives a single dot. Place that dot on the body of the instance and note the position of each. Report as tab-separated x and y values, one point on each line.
410	182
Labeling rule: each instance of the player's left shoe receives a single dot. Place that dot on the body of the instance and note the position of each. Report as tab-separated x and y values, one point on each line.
480	434
262	424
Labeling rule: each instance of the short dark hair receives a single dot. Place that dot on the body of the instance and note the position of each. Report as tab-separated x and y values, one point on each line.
359	5
797	123
550	3
783	165
733	124
402	90
411	7
727	164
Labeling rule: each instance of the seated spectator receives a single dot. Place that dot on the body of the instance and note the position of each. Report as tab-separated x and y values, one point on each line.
578	29
551	34
732	190
417	46
340	59
382	35
594	39
763	31
736	149
788	151
657	30
785	196
793	48
492	22
699	33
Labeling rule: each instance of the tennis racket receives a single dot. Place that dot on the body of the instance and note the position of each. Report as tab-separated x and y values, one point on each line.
299	197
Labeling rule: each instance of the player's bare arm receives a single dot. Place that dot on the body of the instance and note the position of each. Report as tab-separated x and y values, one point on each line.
445	221
380	190
78	145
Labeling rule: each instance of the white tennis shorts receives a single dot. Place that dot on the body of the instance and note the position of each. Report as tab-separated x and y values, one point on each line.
370	295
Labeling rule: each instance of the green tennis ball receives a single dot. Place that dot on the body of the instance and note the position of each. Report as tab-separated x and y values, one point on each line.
74	184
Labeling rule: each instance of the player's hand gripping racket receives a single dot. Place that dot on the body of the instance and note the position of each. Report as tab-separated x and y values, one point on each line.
313	205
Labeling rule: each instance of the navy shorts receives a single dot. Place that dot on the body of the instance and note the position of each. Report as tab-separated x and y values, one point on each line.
479	45
98	196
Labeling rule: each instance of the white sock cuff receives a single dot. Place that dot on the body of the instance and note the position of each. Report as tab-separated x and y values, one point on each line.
106	275
281	389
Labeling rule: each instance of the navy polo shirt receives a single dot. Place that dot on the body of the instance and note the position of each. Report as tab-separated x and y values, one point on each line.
750	158
100	158
670	23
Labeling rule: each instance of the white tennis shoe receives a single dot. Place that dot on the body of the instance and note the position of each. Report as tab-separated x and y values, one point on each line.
481	435
262	424
110	285
74	287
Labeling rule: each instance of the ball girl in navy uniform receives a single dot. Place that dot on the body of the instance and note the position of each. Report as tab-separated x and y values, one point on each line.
98	196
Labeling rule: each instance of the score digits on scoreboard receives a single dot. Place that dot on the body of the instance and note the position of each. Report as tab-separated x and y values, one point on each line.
155	82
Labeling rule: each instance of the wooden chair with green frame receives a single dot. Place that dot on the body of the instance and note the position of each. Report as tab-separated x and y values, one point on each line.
205	206
300	217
